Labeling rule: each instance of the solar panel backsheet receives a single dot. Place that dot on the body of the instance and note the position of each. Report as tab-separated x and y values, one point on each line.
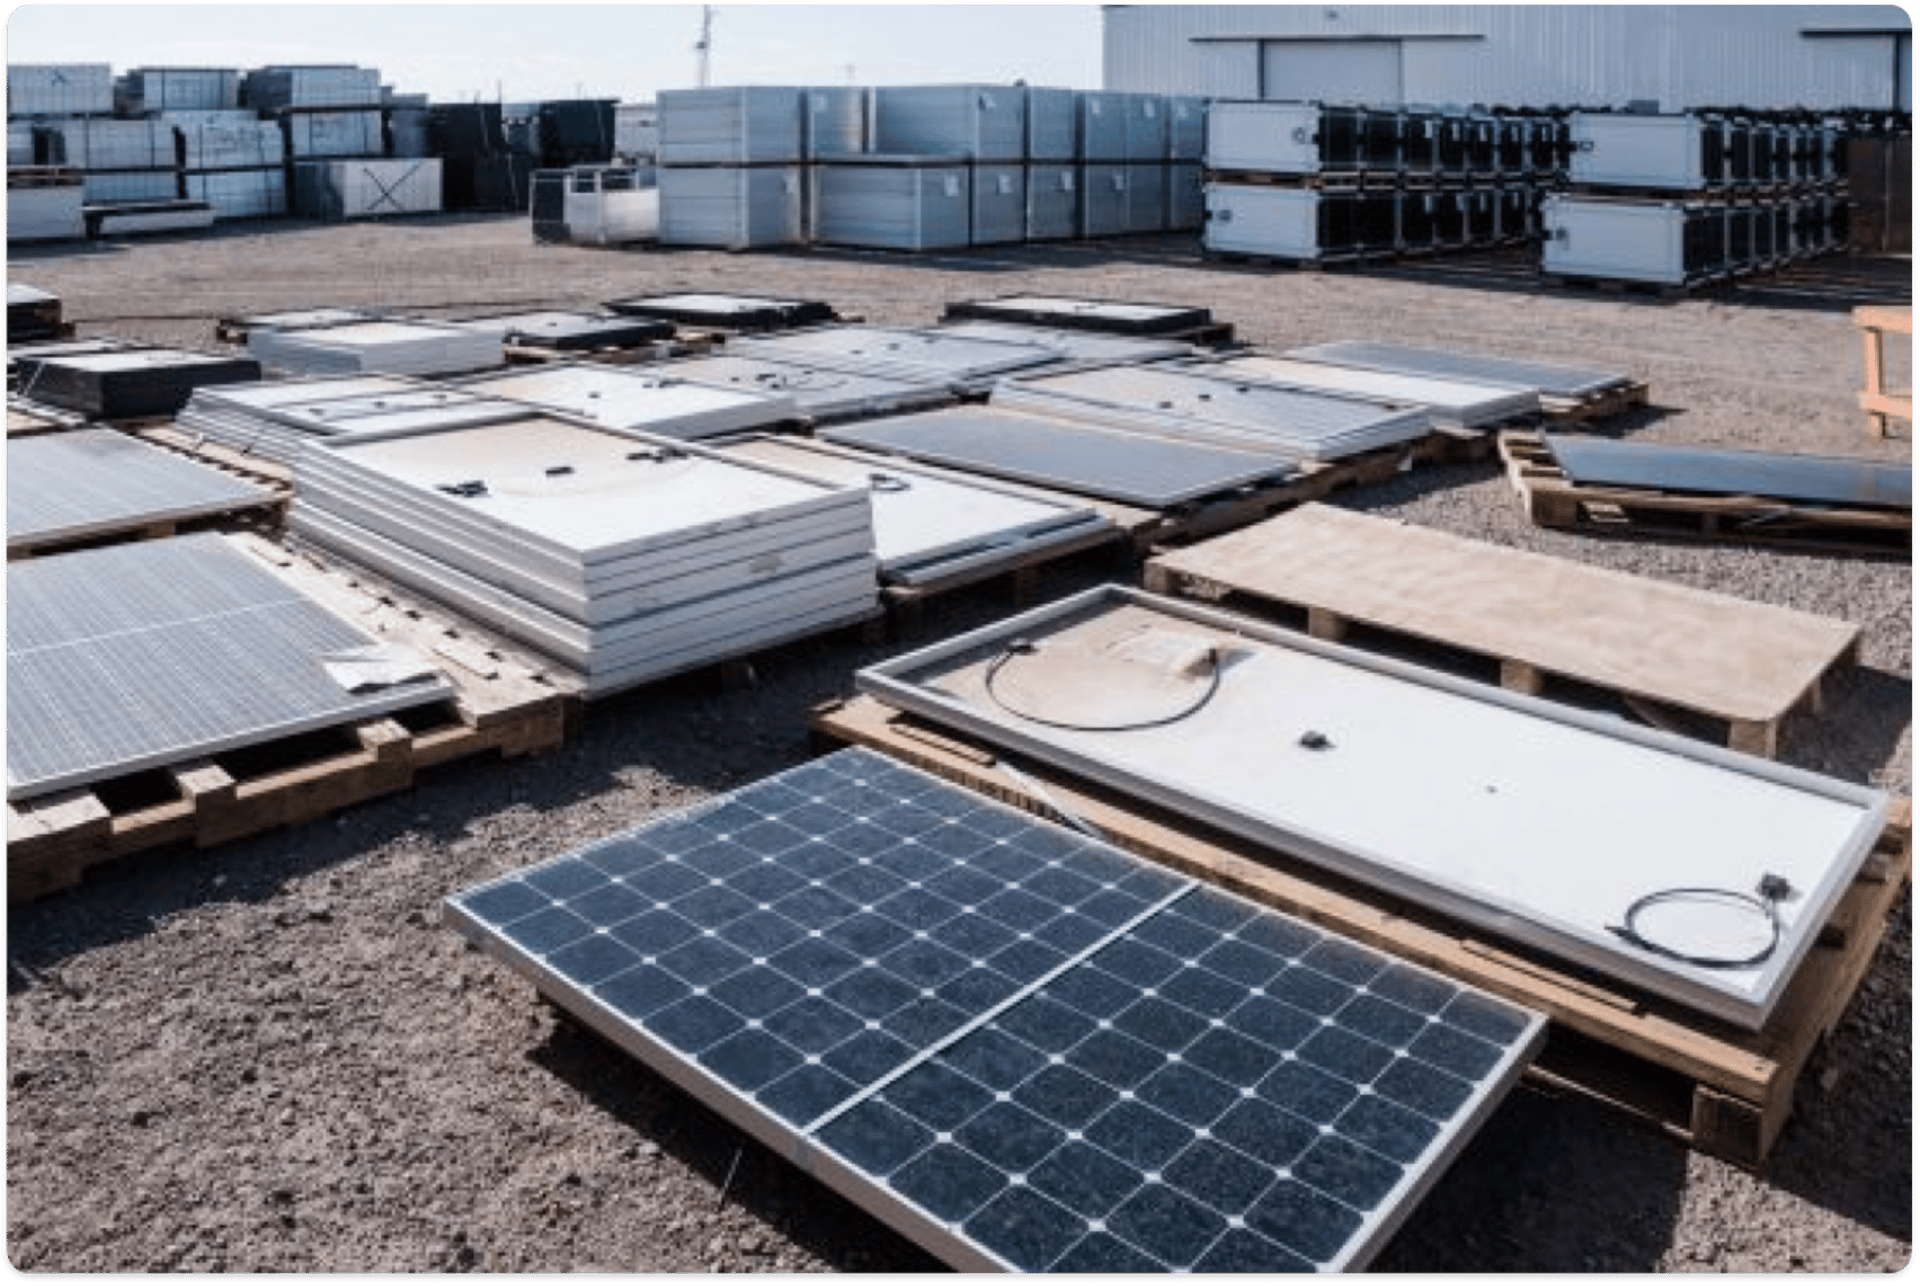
137	656
1026	1049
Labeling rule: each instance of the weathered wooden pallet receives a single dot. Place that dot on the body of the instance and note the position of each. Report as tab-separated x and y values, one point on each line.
685	344
500	704
221	456
1605	404
1719	1089
1508	613
1553	500
29	421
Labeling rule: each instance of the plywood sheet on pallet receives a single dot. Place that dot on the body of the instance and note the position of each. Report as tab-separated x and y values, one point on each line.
1719	656
1616	1046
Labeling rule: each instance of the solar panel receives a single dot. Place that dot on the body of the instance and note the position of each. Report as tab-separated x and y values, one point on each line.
1078	456
1026	1049
726	312
69	485
1809	479
1084	314
1549	379
137	656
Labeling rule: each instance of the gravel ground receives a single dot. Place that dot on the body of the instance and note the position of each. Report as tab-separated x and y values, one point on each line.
271	1056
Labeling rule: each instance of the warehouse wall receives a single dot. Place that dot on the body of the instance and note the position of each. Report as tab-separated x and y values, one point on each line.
1679	55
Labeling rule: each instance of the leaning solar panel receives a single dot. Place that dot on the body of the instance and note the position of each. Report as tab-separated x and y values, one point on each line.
1024	1048
139	656
91	482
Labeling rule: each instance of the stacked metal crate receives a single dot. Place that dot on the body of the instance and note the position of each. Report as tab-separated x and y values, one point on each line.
1681	200
333	118
152	91
480	170
731	173
1324	182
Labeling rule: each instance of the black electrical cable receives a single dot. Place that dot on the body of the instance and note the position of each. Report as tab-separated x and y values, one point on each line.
1021	647
1773	889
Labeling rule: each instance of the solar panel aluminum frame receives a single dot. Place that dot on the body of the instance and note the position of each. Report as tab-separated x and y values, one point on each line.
891	682
943	1239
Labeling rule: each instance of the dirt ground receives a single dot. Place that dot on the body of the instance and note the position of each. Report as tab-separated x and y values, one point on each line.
272	1056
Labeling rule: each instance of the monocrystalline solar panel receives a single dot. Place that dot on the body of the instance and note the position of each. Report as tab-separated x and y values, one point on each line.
1026	1049
139	656
1807	479
69	485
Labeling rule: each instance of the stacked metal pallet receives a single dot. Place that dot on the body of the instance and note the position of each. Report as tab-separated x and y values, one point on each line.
1320	182
1682	200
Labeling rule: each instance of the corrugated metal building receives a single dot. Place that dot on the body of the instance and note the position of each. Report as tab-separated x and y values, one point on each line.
1759	56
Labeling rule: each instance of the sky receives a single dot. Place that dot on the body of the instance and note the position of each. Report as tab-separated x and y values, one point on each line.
518	52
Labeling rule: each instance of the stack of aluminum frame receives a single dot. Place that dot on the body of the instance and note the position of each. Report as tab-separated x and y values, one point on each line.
1450	404
59	89
1053	201
363	189
1105	164
892	202
377	348
160	652
19	144
275	421
129	383
636	132
819	394
45	203
836	121
1177	403
925	356
623	556
319	135
731	207
666	403
1076	349
268	89
1083	456
1052	124
927	526
145	90
977	122
999	204
740	125
67	486
122	161
1149	146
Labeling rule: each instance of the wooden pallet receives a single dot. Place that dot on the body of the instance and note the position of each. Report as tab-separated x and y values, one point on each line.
167	434
906	604
1531	618
1552	500
30	421
1721	1090
687	344
1243	508
500	704
1882	404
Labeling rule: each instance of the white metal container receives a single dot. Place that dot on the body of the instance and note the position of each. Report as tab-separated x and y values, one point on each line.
609	205
1676	153
1272	138
1281	222
737	125
979	122
731	207
364	189
899	204
1668	243
1053	202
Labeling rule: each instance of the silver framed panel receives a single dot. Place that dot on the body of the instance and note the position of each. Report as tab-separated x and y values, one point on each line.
1549	379
1479	781
157	653
896	352
820	394
1449	403
65	486
660	401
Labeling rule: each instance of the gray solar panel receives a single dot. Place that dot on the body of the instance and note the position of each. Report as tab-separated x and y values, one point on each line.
69	485
1546	378
1081	457
138	656
1025	1048
1806	479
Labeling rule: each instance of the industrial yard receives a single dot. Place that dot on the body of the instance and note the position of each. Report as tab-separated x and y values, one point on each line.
277	1054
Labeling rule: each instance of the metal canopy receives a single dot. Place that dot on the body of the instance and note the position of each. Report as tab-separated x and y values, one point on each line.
1440	791
1077	456
1084	314
1548	379
1226	412
927	526
151	654
68	485
656	401
1801	479
1022	1048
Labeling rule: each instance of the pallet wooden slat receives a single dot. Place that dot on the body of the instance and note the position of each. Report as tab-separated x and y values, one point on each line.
1881	403
1537	617
1551	499
1722	1090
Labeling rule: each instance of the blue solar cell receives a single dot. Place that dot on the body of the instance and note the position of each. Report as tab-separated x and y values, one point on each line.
1059	1057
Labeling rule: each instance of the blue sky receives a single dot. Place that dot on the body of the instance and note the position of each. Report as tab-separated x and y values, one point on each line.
458	51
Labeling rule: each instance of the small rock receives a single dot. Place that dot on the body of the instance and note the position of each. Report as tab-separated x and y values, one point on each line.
649	1150
140	1116
320	911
